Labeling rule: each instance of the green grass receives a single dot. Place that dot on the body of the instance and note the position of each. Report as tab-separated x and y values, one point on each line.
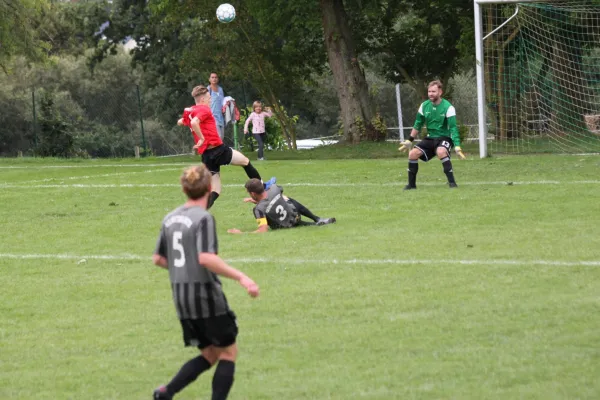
518	318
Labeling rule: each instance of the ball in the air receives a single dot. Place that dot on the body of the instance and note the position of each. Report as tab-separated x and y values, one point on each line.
225	13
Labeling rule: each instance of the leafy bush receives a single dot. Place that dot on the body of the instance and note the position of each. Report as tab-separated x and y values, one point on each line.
274	134
55	138
16	126
105	141
165	141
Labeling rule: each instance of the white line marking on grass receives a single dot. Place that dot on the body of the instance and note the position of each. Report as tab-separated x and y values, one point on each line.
121	257
182	164
305	184
66	178
483	183
92	186
125	257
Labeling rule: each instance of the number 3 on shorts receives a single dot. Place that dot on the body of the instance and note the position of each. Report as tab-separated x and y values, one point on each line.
446	144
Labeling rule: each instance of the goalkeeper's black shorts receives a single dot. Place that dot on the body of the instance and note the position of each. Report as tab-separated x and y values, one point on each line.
429	146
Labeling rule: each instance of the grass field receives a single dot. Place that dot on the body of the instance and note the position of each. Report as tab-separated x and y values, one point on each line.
490	291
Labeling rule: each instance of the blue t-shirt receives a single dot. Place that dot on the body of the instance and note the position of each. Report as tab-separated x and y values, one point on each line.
216	105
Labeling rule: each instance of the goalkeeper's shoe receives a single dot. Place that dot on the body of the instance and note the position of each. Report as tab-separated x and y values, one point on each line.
452	185
270	183
409	187
161	394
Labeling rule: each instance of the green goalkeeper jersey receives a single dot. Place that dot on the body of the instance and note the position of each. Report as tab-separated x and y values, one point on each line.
440	120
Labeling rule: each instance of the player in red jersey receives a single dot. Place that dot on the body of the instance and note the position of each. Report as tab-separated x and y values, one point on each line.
214	153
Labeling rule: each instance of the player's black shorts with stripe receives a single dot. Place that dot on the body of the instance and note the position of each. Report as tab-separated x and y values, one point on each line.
429	146
219	331
217	156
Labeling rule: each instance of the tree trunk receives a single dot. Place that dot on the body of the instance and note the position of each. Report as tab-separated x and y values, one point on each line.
352	88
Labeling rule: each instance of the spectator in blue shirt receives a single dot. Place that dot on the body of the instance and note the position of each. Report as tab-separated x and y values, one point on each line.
216	105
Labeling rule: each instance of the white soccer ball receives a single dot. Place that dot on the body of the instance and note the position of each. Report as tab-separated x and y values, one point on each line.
225	13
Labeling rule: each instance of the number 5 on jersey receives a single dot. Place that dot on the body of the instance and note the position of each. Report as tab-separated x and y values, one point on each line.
178	247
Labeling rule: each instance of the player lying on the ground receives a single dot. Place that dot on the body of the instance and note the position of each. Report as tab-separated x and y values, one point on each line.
274	210
200	120
442	135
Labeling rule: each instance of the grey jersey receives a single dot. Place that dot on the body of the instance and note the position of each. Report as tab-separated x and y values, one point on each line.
276	210
197	292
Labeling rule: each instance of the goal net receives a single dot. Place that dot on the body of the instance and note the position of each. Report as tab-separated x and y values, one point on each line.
541	76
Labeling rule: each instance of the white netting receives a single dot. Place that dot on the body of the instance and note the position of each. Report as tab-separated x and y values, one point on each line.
542	76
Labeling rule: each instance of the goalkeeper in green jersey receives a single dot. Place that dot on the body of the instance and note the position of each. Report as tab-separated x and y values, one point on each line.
442	135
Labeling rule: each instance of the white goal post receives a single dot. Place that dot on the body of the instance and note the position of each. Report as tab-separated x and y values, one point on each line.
481	112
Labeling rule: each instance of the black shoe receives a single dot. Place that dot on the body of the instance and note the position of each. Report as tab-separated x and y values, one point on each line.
408	187
326	221
452	185
161	394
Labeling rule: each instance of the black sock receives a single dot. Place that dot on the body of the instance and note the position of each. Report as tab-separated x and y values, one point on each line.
223	379
211	199
188	374
304	211
447	164
413	168
252	172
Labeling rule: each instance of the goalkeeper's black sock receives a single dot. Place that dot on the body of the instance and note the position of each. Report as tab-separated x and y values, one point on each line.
223	379
211	199
188	374
447	164
252	172
413	168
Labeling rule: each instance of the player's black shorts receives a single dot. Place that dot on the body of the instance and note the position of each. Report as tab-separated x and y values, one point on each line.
294	220
294	211
429	146
219	331
217	156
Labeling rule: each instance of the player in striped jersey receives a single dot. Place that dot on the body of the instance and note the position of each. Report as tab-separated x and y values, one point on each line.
187	247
